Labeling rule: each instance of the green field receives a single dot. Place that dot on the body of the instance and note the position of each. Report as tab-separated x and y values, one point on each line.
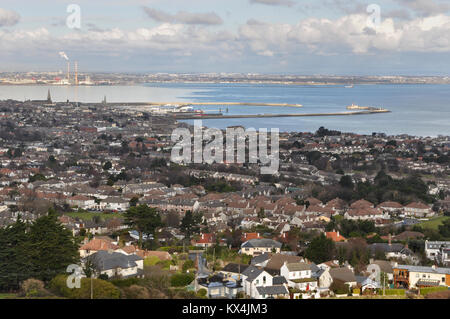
434	222
89	216
7	296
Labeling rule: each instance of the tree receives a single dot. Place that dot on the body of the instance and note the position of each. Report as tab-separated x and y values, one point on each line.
14	261
51	247
261	213
144	219
107	166
320	249
188	264
190	223
40	250
134	201
346	181
444	229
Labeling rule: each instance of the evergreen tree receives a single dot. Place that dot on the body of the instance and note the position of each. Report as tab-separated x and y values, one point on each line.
190	224
41	250
144	219
51	247
14	261
320	249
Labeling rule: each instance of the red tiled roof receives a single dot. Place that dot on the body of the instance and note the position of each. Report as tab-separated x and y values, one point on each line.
99	244
206	239
335	236
249	236
417	205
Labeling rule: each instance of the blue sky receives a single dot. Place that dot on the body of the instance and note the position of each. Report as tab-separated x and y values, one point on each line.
412	37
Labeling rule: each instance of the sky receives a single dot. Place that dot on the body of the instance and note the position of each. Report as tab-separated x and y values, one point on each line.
305	37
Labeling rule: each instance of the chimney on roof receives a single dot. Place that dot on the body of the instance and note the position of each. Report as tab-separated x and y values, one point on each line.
390	240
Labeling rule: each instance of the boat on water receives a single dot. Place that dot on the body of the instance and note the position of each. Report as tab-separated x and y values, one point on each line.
349	86
357	107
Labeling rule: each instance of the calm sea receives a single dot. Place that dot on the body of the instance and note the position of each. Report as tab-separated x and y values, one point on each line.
421	110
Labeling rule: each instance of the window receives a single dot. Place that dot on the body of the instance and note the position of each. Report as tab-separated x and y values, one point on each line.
264	279
443	279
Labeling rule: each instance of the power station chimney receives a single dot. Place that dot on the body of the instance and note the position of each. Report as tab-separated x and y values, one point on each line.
68	72
76	72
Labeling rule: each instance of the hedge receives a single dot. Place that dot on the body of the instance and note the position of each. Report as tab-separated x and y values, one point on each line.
427	290
181	280
393	292
121	283
179	249
101	289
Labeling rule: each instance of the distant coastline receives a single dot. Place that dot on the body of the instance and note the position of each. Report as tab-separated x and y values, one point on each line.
105	79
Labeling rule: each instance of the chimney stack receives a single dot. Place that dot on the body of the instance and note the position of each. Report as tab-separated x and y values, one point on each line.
390	240
76	72
68	72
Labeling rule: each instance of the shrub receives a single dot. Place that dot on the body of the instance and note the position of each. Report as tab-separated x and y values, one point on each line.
394	292
151	261
202	293
121	283
164	264
181	280
103	277
32	288
101	289
135	292
240	295
188	264
339	287
428	290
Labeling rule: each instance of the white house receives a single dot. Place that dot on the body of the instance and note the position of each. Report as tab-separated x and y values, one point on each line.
259	246
299	275
418	210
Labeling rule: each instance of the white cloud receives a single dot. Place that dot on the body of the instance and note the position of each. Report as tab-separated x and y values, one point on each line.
208	18
287	3
8	18
425	7
348	34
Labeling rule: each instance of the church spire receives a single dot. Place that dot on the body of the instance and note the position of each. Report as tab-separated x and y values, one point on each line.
49	97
